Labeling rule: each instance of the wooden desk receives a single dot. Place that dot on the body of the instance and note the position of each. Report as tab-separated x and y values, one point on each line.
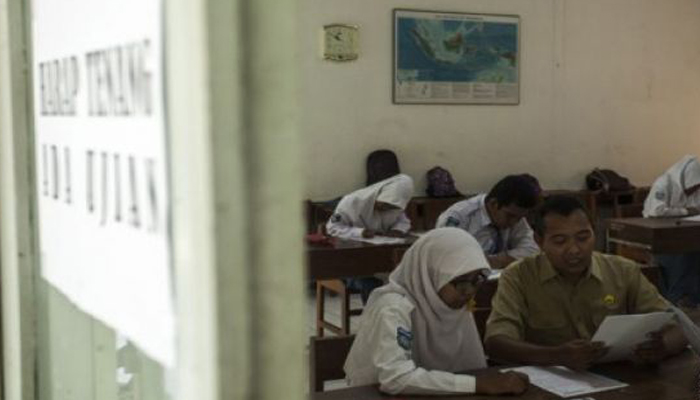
674	379
351	258
658	235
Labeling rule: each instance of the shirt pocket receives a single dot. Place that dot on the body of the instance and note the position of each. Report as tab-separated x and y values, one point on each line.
548	329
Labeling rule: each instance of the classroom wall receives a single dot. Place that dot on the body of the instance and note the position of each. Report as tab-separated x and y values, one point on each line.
604	83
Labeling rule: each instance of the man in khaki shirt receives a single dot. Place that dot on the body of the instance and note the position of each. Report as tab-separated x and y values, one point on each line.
548	306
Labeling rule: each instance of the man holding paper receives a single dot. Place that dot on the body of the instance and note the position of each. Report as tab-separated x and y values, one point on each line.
548	306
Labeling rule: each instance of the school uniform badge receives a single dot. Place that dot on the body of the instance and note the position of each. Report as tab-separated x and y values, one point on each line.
452	221
404	338
660	195
610	301
336	218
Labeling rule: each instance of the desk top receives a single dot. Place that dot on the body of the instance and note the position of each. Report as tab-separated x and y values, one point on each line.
674	379
348	258
659	235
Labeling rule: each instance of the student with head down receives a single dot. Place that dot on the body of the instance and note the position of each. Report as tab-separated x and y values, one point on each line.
377	209
676	194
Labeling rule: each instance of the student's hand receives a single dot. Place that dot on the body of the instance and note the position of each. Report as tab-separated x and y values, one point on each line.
395	233
367	233
693	210
497	383
580	354
499	261
652	351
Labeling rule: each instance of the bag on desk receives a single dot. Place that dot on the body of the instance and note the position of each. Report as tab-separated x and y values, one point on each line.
607	180
441	183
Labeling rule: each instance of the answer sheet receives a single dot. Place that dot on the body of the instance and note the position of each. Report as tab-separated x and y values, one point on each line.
622	333
564	382
383	240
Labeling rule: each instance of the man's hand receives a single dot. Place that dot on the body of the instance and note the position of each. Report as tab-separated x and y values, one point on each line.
580	354
367	233
652	351
496	383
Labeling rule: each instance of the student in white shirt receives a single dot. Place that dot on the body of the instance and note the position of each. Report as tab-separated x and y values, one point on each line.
676	193
497	219
416	334
377	209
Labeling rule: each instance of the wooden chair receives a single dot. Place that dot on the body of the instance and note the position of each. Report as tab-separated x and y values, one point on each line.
326	359
338	287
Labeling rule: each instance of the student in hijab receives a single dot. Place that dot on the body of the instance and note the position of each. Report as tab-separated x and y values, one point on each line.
416	333
375	210
676	194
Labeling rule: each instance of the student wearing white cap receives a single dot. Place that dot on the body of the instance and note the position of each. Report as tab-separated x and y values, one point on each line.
416	334
676	194
377	209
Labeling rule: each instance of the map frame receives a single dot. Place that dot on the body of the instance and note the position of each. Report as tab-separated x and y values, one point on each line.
408	90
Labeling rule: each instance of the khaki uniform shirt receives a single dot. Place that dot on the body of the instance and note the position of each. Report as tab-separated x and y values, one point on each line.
533	303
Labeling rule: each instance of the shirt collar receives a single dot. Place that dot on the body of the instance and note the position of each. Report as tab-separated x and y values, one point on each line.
548	272
484	218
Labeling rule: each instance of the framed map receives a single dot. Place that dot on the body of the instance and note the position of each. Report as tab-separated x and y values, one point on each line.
455	58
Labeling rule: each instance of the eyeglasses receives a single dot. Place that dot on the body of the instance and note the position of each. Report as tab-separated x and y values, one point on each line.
474	281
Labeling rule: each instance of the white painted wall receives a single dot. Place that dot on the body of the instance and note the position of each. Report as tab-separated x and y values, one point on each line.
609	83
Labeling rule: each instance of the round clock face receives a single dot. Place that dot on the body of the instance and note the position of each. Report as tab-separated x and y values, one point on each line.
340	42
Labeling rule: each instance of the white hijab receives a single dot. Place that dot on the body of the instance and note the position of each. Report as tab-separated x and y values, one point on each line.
685	172
443	338
358	206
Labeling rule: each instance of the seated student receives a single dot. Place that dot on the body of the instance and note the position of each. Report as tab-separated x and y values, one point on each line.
676	194
548	307
377	209
497	219
415	333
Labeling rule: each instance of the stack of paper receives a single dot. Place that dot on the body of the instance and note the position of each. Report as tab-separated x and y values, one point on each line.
564	382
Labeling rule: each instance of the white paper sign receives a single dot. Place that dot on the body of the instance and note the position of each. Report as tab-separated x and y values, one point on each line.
101	163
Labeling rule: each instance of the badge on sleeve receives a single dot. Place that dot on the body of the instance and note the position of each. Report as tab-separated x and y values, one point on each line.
403	338
452	221
336	218
660	195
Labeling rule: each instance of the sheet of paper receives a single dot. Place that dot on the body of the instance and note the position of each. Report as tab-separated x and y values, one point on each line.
692	331
383	240
623	332
564	382
495	274
695	218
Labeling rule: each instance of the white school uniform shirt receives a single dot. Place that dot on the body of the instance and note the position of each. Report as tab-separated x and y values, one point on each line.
409	341
356	212
667	196
472	216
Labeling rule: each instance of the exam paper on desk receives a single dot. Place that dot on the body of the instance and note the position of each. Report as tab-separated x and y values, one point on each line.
383	240
622	333
564	382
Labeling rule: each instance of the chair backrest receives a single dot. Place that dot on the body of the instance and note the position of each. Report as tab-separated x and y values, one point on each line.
381	164
327	357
